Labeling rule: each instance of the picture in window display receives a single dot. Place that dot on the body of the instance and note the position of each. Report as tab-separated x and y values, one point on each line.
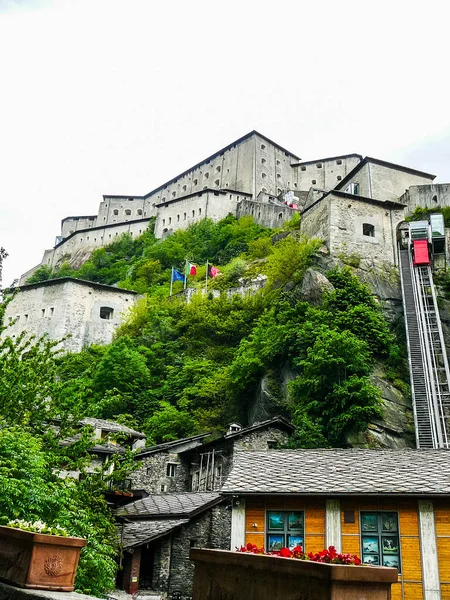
380	540
284	530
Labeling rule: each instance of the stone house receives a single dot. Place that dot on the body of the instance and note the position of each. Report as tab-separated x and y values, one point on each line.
390	507
193	464
156	536
86	312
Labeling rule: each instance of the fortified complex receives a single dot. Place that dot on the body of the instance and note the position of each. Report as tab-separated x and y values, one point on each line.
349	201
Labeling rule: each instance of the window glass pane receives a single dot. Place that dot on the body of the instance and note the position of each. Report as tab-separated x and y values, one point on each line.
294	540
275	520
369	522
391	561
371	559
370	545
295	521
276	542
389	521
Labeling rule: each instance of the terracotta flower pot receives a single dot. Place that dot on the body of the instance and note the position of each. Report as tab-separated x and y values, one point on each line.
35	560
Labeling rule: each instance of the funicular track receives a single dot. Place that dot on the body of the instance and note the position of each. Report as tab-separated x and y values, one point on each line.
428	364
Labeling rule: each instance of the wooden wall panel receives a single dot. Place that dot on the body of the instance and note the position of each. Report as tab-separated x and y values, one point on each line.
413	591
351	544
314	520
409	521
445	591
442	519
410	557
314	543
254	515
396	591
255	538
443	548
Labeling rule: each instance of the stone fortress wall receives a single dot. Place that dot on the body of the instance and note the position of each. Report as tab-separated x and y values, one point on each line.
254	176
88	312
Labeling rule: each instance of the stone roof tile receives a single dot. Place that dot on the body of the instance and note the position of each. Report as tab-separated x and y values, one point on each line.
142	532
165	505
339	471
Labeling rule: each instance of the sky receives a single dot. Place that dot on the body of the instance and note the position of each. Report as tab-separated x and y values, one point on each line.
116	97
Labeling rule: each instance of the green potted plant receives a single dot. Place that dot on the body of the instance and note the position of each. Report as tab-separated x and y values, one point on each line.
40	556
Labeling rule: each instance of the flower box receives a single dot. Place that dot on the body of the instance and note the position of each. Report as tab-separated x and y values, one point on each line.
223	574
40	561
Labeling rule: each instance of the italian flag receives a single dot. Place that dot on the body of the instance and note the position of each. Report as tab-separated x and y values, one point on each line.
191	269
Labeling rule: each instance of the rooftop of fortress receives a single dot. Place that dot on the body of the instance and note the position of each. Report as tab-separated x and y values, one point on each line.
63	280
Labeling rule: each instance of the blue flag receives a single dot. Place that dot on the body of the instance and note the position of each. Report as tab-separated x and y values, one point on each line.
177	276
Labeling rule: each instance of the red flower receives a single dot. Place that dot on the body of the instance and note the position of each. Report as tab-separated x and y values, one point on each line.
285	552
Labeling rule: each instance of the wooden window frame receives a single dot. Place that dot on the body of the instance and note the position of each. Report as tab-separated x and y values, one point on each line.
382	536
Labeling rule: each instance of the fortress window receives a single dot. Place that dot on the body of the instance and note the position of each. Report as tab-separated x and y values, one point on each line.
263	175
280	216
205	187
339	178
163	199
199	211
52	311
217	182
313	181
226	185
339	162
42	312
174	194
193	213
319	165
195	181
303	168
139	211
170	220
184	217
206	175
218	169
26	318
128	211
178	217
434	198
115	211
369	229
263	161
106	312
278	176
264	189
184	188
164	222
278	162
263	146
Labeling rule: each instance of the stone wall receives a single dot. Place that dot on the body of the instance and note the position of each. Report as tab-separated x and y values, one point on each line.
265	214
71	224
427	196
212	529
78	246
60	307
325	173
347	216
151	474
315	221
180	213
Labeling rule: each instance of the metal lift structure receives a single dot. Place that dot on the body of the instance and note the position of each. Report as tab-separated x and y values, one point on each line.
428	363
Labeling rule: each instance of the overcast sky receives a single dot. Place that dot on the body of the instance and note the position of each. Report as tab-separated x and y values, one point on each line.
117	96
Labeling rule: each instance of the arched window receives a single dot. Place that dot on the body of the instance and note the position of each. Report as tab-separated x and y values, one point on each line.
280	216
263	175
139	211
217	182
263	161
178	218
184	217
115	211
195	181
218	169
193	213
127	211
369	229
206	175
170	220
106	312
184	188
174	194
199	211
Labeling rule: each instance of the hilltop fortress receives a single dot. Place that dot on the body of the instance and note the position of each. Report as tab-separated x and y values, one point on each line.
349	201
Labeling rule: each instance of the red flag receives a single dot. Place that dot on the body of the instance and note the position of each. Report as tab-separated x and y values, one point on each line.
191	269
213	271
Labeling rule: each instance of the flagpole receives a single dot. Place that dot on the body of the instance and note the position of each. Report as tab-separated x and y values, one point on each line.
171	282
206	275
185	275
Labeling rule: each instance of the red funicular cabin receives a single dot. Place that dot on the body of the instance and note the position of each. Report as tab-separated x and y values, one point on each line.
421	256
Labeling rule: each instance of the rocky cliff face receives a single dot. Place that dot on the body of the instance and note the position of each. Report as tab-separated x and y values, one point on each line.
396	428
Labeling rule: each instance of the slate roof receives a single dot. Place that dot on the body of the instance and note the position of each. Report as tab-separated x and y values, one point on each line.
142	532
168	445
340	472
111	426
169	505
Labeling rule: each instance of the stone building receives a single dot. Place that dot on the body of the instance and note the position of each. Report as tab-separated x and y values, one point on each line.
87	312
184	508
157	533
193	464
